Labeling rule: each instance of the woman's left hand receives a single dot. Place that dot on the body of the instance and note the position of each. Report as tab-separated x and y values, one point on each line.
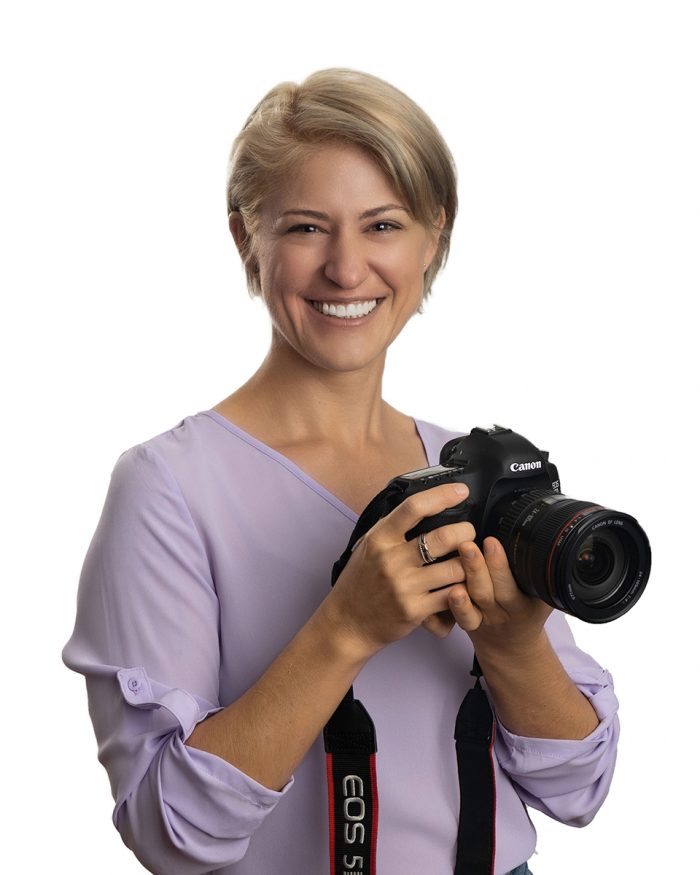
531	692
490	607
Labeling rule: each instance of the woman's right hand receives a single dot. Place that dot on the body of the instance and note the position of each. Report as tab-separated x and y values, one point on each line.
385	591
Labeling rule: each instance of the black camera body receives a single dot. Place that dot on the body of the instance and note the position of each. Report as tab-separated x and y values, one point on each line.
495	463
577	556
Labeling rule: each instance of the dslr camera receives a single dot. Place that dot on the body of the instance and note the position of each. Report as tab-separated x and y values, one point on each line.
577	556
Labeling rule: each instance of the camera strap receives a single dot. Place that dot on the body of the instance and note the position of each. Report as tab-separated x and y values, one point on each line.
353	800
475	732
353	803
351	746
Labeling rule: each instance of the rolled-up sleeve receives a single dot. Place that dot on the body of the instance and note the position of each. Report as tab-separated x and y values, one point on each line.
147	640
567	780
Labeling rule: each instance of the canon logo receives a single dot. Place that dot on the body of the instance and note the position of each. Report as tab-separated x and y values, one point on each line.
525	466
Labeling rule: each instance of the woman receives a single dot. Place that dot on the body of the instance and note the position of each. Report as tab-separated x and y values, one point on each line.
213	647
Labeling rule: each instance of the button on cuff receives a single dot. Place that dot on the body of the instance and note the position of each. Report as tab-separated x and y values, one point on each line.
139	691
136	687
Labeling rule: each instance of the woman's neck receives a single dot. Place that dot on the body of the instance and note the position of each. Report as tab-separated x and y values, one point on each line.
300	403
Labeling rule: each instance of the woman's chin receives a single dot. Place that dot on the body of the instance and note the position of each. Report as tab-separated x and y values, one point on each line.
347	364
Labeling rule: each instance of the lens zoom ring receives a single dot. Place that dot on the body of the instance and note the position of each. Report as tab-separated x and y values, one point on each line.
531	528
511	516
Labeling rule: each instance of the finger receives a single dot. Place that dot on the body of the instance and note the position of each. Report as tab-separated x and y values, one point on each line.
505	588
416	508
432	578
437	601
444	540
508	593
467	615
479	584
440	624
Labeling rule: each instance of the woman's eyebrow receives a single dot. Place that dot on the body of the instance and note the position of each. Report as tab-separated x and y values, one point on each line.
315	214
368	214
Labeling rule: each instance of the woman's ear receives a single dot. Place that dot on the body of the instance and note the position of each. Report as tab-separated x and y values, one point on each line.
435	232
242	239
236	226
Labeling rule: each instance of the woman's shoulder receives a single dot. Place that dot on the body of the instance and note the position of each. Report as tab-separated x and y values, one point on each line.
189	448
193	432
440	431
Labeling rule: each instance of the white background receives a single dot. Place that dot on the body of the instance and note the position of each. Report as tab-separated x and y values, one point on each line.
567	312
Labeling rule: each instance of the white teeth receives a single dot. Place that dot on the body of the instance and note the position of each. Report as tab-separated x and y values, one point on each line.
349	311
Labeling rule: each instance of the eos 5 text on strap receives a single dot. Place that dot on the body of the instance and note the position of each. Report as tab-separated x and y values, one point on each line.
352	789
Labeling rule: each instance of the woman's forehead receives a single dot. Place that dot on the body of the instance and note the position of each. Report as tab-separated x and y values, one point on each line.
338	178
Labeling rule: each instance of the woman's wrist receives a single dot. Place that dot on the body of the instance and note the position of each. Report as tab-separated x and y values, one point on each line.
513	653
344	642
532	693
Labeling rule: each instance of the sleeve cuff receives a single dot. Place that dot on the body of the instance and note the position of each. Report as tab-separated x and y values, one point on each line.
568	779
207	788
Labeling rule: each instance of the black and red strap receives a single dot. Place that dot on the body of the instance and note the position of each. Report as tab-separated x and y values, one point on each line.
353	804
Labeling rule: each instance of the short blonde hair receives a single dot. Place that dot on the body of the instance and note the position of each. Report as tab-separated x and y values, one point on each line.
346	106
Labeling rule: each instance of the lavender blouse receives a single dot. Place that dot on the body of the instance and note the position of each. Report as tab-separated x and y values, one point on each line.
211	552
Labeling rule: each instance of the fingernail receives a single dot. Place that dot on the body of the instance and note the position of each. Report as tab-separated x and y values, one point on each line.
489	547
458	599
468	551
461	488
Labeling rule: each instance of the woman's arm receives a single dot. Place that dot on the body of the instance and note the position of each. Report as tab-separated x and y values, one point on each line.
382	595
269	729
147	640
531	691
557	710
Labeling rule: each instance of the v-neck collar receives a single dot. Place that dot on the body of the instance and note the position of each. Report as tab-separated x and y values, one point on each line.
298	472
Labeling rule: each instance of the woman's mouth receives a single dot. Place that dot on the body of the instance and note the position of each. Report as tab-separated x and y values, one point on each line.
348	311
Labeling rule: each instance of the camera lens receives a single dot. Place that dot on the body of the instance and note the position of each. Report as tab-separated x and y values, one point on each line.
599	568
587	560
594	563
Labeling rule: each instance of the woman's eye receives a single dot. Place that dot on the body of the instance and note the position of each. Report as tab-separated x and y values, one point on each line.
303	229
382	227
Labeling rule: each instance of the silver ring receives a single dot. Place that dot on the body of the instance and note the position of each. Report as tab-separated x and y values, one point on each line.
424	552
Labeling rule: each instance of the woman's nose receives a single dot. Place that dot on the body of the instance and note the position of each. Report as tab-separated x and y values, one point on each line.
346	262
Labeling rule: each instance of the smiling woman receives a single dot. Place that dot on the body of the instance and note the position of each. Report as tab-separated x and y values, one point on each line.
213	647
361	262
347	108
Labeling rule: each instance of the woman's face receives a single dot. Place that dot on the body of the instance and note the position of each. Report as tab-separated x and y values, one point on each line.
341	260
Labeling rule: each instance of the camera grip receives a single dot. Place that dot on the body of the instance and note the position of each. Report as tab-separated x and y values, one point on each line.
460	513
